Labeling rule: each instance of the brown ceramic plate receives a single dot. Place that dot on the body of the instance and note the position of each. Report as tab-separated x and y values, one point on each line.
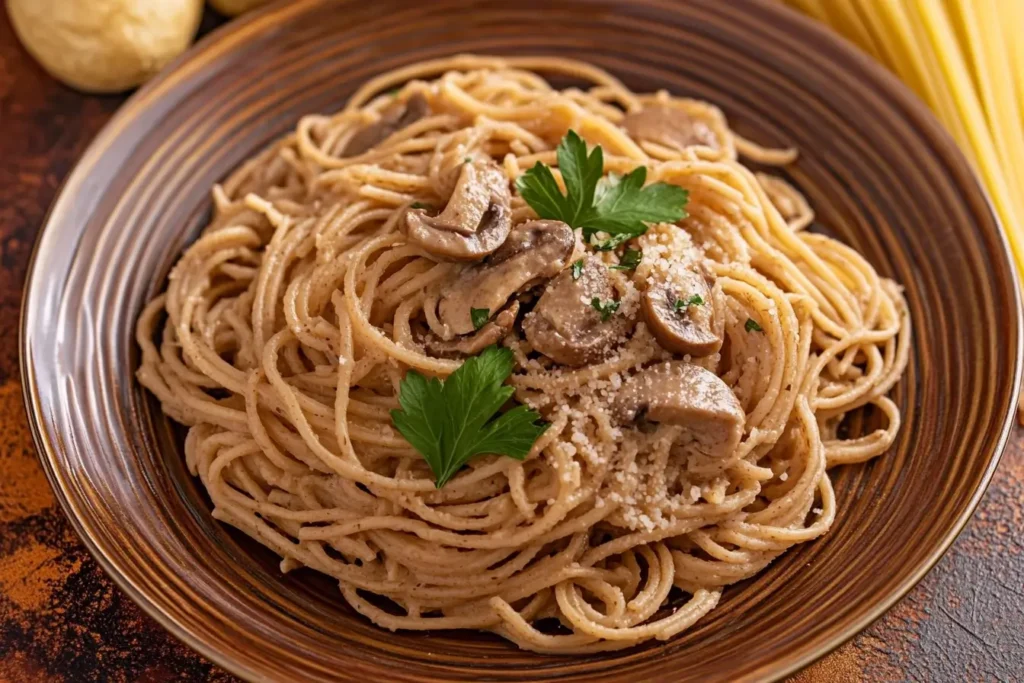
874	163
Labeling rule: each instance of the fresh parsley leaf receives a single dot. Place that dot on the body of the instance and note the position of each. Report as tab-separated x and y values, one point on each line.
618	207
423	417
581	173
452	421
683	304
752	326
626	206
421	205
605	308
467	160
394	91
604	184
630	260
577	269
479	316
540	190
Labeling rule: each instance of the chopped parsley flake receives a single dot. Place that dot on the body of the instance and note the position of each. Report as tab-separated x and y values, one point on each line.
630	260
479	316
577	269
683	304
605	308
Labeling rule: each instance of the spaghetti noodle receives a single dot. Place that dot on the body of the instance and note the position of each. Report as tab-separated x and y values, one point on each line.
287	327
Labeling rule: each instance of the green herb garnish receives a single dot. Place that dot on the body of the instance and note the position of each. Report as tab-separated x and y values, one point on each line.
630	260
605	308
620	208
479	316
752	326
394	91
610	243
577	269
452	421
467	160
421	205
683	304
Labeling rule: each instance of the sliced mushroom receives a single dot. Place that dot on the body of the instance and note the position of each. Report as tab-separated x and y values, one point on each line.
393	119
566	327
534	252
670	127
472	344
689	396
682	310
474	223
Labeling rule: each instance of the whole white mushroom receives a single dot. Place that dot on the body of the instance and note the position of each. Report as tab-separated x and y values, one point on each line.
105	46
232	8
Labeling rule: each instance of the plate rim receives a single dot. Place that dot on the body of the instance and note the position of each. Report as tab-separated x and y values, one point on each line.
263	19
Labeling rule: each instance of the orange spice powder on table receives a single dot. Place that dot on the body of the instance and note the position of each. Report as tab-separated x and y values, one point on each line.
24	490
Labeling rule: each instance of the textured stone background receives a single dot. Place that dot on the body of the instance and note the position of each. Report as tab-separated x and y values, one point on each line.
61	619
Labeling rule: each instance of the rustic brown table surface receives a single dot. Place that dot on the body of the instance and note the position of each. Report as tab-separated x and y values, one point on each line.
62	619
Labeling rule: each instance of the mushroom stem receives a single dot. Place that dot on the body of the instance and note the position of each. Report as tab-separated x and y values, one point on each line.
534	252
475	221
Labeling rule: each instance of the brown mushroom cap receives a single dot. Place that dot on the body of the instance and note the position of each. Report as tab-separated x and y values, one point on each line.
533	252
475	221
669	126
565	326
393	119
689	396
695	329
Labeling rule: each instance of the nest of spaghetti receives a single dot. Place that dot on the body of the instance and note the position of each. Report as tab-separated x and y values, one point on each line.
696	376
